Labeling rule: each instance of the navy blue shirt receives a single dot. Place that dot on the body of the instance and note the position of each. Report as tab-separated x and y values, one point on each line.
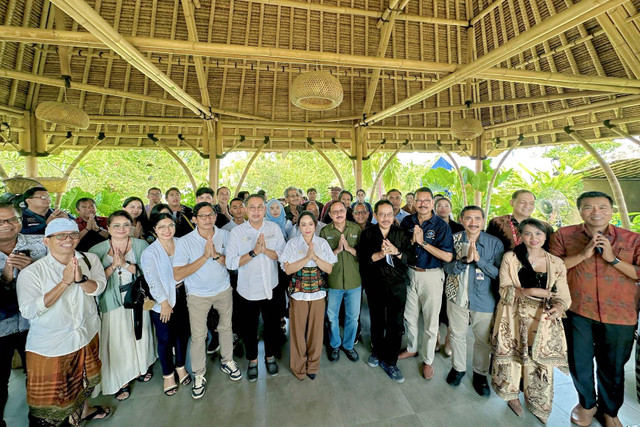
436	233
32	223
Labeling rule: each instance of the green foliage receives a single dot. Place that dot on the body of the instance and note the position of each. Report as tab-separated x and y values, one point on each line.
571	154
107	201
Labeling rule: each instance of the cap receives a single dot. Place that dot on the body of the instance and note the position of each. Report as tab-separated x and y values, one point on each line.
60	224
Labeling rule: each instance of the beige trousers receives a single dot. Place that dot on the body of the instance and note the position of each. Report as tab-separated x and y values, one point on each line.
481	323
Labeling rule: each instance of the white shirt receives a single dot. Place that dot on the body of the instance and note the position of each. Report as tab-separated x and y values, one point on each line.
295	232
400	216
230	225
259	276
158	272
210	279
296	249
72	321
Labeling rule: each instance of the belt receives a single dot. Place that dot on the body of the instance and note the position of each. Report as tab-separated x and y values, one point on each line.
417	268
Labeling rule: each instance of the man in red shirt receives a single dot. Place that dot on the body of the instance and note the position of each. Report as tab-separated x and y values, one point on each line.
93	229
603	266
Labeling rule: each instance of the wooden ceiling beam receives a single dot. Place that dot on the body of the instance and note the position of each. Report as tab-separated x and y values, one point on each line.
551	27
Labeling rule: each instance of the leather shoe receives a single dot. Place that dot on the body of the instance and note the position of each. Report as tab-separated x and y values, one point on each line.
610	421
405	354
454	377
581	416
427	371
481	385
333	354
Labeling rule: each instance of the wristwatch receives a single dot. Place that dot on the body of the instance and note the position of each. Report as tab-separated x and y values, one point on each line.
252	254
615	261
216	258
84	279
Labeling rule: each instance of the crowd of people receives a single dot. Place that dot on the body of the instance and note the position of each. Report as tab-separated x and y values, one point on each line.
535	299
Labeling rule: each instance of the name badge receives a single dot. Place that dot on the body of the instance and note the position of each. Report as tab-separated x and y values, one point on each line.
479	275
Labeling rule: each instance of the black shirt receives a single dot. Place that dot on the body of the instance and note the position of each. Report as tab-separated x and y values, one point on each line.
380	272
183	220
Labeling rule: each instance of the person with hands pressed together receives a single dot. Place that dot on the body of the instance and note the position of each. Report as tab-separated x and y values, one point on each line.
433	245
528	335
306	257
384	254
471	297
603	266
344	282
93	229
292	210
169	315
56	294
199	260
123	356
253	250
37	212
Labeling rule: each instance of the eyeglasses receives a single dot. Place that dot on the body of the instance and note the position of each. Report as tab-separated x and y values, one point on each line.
256	208
64	236
421	201
338	211
117	226
41	197
205	216
155	194
12	221
384	215
360	212
164	227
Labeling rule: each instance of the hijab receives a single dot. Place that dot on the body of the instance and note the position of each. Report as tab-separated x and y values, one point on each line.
281	219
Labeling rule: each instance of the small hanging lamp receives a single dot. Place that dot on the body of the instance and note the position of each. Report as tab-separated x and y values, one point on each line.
316	91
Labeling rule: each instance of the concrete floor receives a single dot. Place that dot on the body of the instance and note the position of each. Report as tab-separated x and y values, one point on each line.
344	394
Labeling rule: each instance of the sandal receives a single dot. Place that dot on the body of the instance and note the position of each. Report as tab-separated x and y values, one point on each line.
99	410
126	389
173	388
186	379
145	378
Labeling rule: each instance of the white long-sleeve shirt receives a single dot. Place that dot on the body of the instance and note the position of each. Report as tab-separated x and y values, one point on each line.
72	321
158	272
258	277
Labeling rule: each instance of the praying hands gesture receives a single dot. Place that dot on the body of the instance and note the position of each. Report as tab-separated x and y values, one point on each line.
137	230
118	259
472	253
296	215
210	249
260	245
72	272
418	235
389	249
311	254
15	260
92	225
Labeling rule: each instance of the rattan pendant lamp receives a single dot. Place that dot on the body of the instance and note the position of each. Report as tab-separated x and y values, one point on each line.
466	128
63	113
316	91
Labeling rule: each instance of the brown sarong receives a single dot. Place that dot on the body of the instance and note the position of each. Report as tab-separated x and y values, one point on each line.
57	387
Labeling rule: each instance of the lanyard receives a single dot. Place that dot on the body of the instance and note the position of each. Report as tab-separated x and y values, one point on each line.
516	238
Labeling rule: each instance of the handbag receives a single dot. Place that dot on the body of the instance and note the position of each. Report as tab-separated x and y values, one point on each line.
138	298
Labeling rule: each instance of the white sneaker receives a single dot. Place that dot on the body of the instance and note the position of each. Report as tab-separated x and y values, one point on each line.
198	389
231	368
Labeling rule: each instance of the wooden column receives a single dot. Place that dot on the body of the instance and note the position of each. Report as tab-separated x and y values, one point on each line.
620	132
618	196
357	148
215	151
477	195
29	144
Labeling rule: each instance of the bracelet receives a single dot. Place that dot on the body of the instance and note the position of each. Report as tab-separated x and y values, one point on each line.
68	284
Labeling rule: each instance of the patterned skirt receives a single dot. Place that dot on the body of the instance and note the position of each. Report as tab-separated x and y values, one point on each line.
57	387
307	280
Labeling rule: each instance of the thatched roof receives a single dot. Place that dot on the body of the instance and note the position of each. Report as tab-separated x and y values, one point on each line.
529	68
625	163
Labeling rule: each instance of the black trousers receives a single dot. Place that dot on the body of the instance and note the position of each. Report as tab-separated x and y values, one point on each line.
386	309
8	345
173	334
250	311
611	346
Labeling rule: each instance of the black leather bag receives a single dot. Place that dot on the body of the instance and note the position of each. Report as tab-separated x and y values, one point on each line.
134	299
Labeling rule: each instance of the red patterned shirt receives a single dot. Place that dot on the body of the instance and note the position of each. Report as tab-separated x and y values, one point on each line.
598	290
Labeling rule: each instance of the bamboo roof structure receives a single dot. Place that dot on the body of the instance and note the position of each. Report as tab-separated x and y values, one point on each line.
214	75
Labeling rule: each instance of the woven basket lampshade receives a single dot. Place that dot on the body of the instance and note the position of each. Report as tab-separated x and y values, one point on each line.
316	90
62	114
466	128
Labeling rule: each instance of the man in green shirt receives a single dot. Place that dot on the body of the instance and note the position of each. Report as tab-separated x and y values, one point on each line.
344	282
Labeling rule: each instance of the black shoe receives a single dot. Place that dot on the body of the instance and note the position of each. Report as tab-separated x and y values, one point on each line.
272	366
455	377
333	354
481	385
252	372
312	376
351	354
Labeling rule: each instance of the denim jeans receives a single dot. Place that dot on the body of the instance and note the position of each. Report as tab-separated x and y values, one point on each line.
351	313
173	334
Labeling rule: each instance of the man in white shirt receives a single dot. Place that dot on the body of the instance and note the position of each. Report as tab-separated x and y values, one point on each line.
254	248
199	260
56	294
238	211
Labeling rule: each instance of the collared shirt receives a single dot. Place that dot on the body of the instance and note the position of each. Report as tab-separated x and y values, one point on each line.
33	223
436	232
381	273
158	272
480	293
346	272
259	276
72	321
400	216
13	322
295	231
505	228
598	290
230	225
297	249
212	277
92	237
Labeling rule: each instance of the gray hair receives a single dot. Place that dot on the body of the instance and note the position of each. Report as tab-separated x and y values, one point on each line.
286	191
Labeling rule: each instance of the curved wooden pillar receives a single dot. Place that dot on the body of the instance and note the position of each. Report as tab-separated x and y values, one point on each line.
357	148
73	165
328	160
495	175
180	162
251	160
455	165
381	171
623	134
618	196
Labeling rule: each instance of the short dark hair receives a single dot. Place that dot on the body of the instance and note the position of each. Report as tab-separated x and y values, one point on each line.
166	194
592	194
84	199
471	208
380	203
445	199
119	212
204	190
521	191
310	215
202	205
361	190
155	219
33	190
260	193
343	192
153	188
220	188
309	190
243	195
334	203
155	210
394	190
15	208
256	196
424	190
409	194
237	199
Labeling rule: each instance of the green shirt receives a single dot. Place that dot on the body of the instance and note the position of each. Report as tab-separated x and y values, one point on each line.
346	272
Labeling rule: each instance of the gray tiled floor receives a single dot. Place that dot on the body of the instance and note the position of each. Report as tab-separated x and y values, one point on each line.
343	394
